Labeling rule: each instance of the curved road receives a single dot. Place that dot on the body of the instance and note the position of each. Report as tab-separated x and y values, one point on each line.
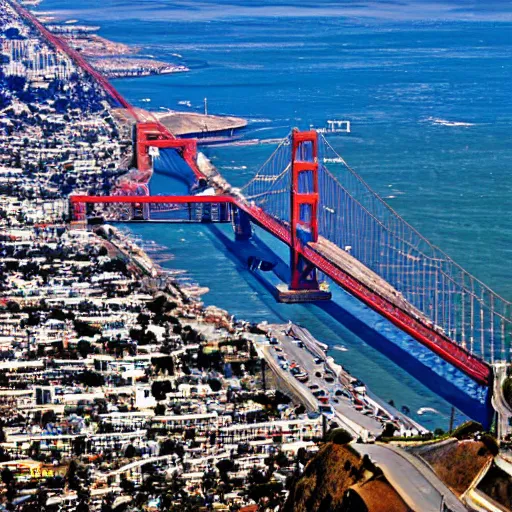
416	483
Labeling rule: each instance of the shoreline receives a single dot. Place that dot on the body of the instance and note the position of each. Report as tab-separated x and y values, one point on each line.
111	58
372	402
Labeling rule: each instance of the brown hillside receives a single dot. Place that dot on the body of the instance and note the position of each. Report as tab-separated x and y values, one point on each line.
335	470
457	464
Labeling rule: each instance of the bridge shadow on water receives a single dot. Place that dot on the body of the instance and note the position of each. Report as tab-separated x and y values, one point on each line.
440	377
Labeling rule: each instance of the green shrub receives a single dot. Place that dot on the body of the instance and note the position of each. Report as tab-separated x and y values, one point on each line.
507	389
490	443
467	429
339	436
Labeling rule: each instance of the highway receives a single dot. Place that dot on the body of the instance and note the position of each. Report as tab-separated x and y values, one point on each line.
418	486
358	423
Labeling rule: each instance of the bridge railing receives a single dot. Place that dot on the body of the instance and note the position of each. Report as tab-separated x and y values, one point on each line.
355	218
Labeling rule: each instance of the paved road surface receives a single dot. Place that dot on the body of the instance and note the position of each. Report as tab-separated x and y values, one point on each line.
499	403
357	422
418	486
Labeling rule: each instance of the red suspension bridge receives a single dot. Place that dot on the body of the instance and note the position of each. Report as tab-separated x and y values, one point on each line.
339	227
336	228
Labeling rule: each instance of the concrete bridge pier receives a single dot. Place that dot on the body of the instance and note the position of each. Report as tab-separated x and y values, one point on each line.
241	224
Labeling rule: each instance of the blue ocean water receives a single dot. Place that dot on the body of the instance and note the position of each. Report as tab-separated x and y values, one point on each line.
426	87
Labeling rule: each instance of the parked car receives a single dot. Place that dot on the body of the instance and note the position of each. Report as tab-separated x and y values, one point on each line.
326	410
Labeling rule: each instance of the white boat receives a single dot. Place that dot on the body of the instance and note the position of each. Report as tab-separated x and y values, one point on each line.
341	348
423	410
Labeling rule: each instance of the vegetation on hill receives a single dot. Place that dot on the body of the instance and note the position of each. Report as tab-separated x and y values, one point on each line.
457	463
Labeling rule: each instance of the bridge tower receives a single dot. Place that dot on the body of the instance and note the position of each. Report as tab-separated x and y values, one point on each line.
304	199
304	207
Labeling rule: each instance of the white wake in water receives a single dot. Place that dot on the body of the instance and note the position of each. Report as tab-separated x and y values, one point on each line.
445	122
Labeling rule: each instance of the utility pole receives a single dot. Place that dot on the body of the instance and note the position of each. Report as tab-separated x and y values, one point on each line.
452	418
263	374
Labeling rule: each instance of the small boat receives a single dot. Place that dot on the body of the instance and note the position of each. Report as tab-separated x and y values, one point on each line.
423	410
341	348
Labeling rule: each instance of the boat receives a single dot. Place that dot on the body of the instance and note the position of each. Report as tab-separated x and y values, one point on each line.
341	348
423	410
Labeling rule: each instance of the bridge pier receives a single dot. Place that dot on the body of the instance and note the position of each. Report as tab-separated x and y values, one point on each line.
241	224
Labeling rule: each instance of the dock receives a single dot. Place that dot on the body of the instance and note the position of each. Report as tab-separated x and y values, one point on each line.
206	128
193	124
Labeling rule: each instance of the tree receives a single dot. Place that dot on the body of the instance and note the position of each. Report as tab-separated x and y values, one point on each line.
215	385
84	348
83	329
91	379
143	320
13	307
389	430
340	436
225	465
7	476
160	388
48	417
130	451
160	410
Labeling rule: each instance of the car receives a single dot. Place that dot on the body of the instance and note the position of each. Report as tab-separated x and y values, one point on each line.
318	360
342	392
326	410
318	375
318	393
273	341
329	379
359	386
278	349
300	344
335	400
314	386
281	358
